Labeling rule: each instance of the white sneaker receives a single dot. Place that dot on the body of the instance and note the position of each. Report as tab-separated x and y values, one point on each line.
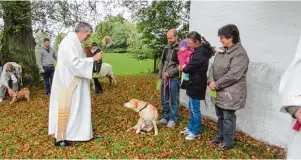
191	136
185	131
171	124
162	121
1	100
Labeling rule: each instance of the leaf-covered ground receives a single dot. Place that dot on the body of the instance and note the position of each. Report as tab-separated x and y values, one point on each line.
23	130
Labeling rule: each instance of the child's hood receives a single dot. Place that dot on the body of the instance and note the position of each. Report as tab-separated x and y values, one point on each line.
206	45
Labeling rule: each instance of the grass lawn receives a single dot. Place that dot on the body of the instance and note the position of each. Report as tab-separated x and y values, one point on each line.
24	125
124	64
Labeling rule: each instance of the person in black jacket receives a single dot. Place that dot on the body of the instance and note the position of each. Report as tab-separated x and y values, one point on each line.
197	84
96	68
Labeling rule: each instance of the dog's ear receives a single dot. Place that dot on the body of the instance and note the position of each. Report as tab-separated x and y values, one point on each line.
134	103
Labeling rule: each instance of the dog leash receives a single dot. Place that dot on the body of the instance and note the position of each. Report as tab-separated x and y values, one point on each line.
167	83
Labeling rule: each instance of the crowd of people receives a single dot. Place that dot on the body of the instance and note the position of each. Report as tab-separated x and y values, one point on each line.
184	64
227	77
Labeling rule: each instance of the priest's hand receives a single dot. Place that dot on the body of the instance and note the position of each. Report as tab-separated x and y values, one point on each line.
98	56
298	115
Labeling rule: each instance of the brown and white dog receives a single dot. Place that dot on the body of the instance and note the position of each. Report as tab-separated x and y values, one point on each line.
22	94
148	115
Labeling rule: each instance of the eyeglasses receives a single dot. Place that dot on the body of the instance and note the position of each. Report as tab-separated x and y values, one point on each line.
221	37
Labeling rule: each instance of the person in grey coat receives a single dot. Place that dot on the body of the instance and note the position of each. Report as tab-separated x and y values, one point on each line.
46	63
227	76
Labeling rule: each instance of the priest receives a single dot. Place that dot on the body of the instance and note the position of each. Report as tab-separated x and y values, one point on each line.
290	92
70	101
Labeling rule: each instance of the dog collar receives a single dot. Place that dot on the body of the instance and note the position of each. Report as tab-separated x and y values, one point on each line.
144	107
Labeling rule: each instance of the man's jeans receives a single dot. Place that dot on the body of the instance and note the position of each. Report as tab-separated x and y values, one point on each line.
226	125
48	76
195	122
171	94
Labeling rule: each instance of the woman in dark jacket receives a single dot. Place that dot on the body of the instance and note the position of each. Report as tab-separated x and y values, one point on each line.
227	76
197	84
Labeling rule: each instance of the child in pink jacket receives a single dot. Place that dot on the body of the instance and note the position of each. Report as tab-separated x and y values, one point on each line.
184	55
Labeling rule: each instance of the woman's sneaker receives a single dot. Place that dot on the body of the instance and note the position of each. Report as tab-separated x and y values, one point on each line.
171	124
162	121
185	131
191	136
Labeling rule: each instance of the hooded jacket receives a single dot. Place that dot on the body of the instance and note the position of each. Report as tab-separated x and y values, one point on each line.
197	70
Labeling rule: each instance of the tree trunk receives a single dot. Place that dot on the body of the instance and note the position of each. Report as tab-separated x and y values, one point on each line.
18	44
155	64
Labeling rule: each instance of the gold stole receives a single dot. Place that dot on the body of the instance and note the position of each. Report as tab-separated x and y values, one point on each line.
65	95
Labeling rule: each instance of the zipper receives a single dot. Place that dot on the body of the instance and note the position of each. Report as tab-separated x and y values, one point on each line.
227	93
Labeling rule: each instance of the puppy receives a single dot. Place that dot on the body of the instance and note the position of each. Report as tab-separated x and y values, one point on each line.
148	115
22	94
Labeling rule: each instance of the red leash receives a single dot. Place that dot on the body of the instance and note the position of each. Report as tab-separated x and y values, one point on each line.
297	126
167	83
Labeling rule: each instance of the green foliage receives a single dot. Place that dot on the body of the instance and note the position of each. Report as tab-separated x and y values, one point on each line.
154	21
52	16
40	38
114	26
140	49
119	34
119	29
117	50
57	41
125	37
19	14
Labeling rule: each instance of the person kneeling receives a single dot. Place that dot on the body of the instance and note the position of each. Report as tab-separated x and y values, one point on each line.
11	72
